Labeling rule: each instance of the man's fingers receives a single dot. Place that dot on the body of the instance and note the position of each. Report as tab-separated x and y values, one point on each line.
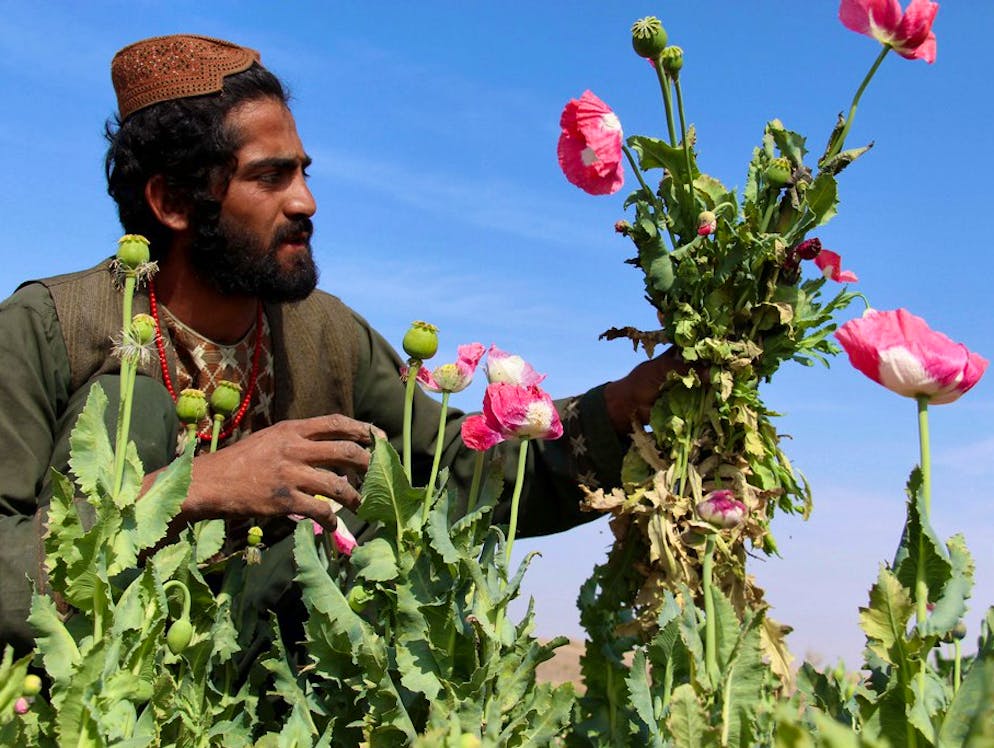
319	510
339	427
340	455
332	485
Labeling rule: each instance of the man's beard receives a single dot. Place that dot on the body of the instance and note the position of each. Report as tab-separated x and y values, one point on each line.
236	262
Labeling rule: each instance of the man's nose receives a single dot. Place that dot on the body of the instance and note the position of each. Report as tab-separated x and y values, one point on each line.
300	200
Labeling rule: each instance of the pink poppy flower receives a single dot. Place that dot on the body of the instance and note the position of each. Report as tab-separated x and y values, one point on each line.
590	146
830	264
901	352
908	33
451	377
505	367
344	540
512	411
721	509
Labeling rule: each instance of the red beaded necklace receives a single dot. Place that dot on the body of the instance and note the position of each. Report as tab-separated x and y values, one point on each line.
207	433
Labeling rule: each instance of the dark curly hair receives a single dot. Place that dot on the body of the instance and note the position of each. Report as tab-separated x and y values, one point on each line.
187	142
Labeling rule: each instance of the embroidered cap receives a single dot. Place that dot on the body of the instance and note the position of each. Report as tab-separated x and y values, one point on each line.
174	67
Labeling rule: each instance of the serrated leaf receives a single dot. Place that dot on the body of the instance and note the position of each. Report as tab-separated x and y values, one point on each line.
885	620
743	685
375	560
969	720
163	500
387	495
209	536
639	694
951	603
687	722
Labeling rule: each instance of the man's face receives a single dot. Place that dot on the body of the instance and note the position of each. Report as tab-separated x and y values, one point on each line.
260	244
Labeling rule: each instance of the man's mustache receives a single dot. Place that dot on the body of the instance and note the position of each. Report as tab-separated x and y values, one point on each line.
296	229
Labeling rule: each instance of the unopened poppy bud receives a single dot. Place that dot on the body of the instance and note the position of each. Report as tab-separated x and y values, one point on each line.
132	250
179	635
421	340
622	227
722	510
226	398
254	535
779	171
31	686
143	328
648	37
808	249
22	706
358	598
672	60
707	223
959	630
191	406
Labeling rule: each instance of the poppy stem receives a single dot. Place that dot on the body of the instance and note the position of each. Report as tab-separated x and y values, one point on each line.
516	496
686	145
474	486
430	487
840	139
412	376
664	86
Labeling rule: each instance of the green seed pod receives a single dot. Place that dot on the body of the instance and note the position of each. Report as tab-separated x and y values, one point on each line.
179	635
358	598
32	685
143	328
132	250
226	398
778	171
191	406
254	535
672	60
648	37
661	273
421	340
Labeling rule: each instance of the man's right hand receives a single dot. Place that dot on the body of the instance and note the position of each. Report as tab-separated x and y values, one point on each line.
279	470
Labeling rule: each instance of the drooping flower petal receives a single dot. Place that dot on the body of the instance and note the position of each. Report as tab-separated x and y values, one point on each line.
830	264
455	376
344	540
519	412
590	145
901	352
909	33
476	434
506	367
721	509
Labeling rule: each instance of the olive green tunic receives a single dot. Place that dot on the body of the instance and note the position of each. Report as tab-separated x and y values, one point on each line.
55	343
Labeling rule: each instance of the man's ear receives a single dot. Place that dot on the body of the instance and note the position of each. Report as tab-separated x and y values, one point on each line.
171	212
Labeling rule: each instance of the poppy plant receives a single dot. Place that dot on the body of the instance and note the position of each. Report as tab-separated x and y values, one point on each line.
909	33
901	352
455	376
590	145
502	366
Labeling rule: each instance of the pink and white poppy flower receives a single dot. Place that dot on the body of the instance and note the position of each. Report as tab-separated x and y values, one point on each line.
590	145
901	352
506	367
909	33
451	377
512	411
722	510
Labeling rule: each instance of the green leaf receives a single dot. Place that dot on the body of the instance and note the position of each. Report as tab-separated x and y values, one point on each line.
951	603
375	560
92	458
640	696
209	536
840	161
921	541
885	620
744	676
163	500
687	722
727	627
52	639
790	143
387	496
657	154
969	721
11	679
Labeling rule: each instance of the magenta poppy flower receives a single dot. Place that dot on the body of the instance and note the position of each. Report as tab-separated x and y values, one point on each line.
901	352
908	33
451	377
512	411
506	367
590	146
830	264
721	509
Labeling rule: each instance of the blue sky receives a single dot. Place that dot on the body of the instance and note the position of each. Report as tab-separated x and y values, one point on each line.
433	129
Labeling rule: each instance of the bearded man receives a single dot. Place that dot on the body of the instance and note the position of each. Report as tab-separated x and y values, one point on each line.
205	161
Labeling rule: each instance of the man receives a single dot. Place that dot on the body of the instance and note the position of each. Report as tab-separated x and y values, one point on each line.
206	162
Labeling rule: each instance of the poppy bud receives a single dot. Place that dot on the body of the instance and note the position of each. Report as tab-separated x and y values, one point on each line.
722	510
778	171
808	249
143	328
22	706
421	340
226	398
179	635
622	227
672	60
358	598
31	686
648	37
191	406
707	223
132	250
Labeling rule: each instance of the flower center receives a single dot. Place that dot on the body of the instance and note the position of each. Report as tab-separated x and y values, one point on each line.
589	156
